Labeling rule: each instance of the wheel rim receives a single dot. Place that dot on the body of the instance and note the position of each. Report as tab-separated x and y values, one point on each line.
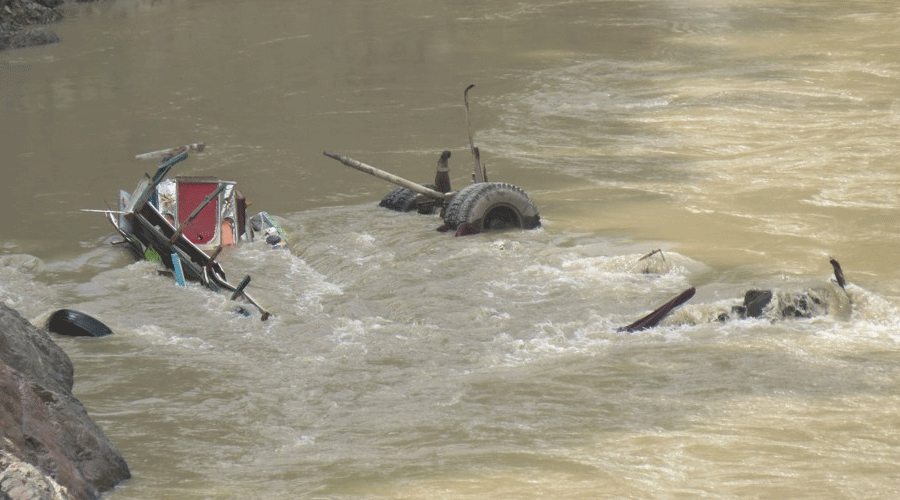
502	217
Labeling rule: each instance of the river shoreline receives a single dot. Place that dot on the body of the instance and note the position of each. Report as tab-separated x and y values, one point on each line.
24	23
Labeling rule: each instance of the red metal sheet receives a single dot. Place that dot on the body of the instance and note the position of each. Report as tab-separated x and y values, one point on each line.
203	229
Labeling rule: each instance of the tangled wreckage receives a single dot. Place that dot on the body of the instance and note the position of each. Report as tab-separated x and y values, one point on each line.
185	222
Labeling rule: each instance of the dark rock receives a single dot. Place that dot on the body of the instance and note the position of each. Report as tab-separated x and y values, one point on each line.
755	301
42	422
21	13
31	37
50	4
18	20
27	349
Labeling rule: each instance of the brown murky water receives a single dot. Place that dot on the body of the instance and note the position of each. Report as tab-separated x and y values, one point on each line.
749	139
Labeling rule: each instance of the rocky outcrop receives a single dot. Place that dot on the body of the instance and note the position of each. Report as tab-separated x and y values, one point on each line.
21	480
49	446
22	22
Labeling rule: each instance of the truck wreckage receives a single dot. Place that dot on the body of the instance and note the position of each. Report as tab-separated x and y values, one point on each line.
480	206
185	222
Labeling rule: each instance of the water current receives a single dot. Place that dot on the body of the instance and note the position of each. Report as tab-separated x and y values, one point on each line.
750	140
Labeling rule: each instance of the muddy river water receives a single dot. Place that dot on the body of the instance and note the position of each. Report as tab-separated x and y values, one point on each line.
750	140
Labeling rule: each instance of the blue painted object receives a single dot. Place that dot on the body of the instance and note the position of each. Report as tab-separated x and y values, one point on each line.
176	266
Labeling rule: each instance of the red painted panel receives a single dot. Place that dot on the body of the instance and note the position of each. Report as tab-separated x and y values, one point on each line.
203	228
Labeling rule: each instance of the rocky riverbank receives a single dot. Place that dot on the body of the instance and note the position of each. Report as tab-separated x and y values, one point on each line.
50	449
23	23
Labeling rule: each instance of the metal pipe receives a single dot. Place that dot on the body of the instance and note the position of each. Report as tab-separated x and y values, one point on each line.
381	174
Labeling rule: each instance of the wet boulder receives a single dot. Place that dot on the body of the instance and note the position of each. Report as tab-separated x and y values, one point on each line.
44	425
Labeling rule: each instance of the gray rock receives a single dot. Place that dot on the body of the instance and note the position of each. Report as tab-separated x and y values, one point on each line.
31	37
31	350
23	481
43	424
21	20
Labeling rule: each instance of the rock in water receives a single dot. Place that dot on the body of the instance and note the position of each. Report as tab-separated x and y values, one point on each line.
43	424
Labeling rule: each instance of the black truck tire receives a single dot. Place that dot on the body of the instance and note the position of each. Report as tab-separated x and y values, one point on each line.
76	324
487	206
403	199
